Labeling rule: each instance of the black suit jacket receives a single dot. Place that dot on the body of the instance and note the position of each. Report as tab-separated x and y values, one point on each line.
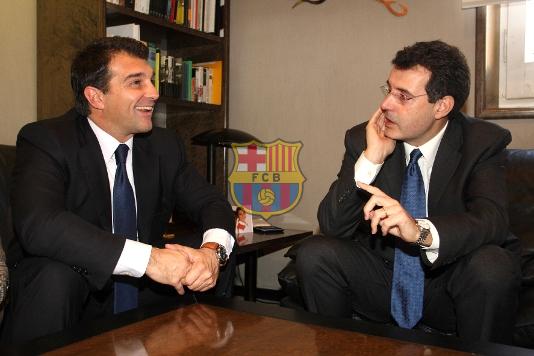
62	202
467	199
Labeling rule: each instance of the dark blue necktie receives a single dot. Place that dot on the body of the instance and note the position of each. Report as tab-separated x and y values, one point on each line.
408	276
124	224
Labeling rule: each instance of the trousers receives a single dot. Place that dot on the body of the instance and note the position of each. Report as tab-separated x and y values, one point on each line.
475	297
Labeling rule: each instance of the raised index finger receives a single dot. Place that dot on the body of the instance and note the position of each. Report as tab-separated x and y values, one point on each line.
369	188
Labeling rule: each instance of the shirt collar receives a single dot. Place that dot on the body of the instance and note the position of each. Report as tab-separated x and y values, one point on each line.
429	149
108	144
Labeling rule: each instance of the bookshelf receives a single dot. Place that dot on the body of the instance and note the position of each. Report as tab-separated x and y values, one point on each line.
66	26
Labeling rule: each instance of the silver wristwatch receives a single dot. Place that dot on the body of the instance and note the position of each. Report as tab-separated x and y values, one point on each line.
222	255
220	252
424	231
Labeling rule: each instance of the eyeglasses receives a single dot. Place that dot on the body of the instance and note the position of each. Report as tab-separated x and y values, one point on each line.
401	97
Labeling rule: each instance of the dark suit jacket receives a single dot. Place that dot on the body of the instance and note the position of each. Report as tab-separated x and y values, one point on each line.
467	199
61	196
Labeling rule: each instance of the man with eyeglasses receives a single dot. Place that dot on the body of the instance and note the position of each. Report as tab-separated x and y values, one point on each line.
415	222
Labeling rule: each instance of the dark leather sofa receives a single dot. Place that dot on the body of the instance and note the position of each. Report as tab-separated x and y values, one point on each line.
520	181
7	160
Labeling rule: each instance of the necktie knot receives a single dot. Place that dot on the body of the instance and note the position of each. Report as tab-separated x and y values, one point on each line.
414	156
121	153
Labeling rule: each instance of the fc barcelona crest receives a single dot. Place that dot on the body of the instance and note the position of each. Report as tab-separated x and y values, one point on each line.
266	179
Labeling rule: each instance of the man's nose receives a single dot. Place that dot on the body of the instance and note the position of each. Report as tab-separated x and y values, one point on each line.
152	93
387	102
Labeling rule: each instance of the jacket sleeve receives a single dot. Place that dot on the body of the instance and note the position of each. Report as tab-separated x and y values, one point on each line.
340	212
201	201
42	222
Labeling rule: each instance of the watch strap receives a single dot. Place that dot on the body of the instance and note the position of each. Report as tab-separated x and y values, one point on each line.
220	252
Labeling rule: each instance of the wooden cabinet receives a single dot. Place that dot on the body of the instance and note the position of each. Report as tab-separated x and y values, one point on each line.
66	26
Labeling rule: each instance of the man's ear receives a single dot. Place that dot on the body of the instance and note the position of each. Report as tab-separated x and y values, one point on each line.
95	97
443	107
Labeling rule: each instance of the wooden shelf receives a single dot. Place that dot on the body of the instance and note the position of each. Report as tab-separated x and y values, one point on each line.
120	15
190	105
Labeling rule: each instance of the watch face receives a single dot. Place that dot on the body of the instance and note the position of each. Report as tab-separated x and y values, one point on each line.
223	256
424	224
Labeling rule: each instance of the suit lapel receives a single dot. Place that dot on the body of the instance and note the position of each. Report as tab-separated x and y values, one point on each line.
146	178
447	159
392	172
95	172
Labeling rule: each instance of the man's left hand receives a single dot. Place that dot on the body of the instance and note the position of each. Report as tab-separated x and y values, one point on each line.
204	269
387	213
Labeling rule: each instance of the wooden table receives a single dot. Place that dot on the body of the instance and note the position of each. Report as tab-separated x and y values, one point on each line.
253	245
232	327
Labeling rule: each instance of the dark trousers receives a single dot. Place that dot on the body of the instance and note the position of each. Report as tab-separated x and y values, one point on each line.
48	296
475	297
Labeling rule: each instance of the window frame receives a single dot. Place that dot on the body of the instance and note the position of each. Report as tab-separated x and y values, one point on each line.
487	78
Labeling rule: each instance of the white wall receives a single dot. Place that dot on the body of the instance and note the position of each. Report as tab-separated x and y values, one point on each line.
18	72
310	73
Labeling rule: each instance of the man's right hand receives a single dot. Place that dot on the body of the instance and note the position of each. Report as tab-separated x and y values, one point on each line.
379	146
168	267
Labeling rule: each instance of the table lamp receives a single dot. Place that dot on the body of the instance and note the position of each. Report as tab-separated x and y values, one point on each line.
219	137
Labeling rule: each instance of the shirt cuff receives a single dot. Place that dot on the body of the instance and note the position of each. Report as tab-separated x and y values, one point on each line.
432	251
220	236
134	259
366	171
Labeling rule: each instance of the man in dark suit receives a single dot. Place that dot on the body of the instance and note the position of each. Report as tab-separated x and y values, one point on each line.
468	284
64	203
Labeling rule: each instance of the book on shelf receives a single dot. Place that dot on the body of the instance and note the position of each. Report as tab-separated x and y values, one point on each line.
131	30
158	8
197	82
193	8
200	15
187	77
142	6
170	78
178	74
209	15
219	18
181	9
172	11
163	69
153	61
214	81
206	82
156	71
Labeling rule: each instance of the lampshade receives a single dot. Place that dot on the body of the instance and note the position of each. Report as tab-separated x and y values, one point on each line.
219	137
223	137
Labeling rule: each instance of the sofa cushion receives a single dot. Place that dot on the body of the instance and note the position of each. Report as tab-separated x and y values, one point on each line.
7	162
520	182
524	326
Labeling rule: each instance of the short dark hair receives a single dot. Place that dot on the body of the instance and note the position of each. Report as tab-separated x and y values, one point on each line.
447	65
90	66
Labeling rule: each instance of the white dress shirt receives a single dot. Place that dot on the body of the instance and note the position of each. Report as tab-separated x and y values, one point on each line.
134	258
366	171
